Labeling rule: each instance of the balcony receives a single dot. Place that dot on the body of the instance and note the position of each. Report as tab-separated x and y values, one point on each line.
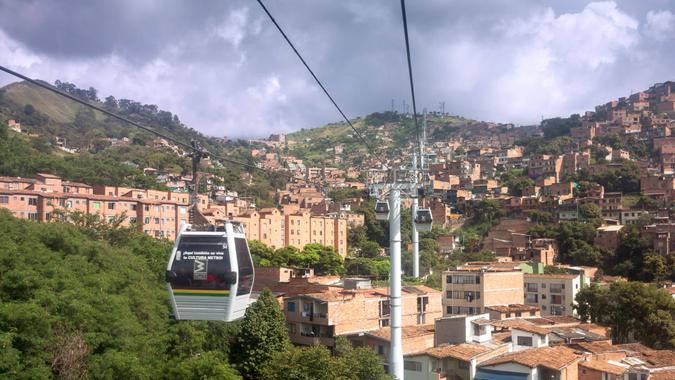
304	316
311	340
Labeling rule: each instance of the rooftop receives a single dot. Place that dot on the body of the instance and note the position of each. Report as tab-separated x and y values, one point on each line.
512	308
555	358
553	276
616	228
603	366
407	332
462	351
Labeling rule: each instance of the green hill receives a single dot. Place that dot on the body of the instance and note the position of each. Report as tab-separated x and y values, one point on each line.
383	131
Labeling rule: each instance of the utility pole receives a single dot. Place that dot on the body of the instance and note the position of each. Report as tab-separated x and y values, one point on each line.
396	351
197	154
415	234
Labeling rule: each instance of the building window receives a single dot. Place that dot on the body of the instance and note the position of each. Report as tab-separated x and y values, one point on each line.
4	199
147	220
525	341
556	288
96	205
385	309
380	349
556	299
531	298
111	205
291	328
462	364
32	216
410	365
32	201
531	287
384	322
290	307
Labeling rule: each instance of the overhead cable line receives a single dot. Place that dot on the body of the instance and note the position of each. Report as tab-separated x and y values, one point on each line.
410	73
188	146
363	140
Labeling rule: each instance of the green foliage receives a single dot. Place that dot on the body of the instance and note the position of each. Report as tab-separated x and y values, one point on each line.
340	195
373	268
22	157
316	362
551	269
541	145
590	212
80	302
540	216
323	259
625	179
557	127
516	181
379	118
263	334
631	309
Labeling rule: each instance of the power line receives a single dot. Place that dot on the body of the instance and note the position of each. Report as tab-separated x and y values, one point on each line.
410	73
314	76
138	125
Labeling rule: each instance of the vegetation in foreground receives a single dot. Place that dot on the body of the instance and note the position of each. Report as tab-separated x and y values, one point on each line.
89	301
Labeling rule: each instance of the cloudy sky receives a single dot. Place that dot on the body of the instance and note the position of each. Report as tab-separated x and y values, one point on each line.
225	70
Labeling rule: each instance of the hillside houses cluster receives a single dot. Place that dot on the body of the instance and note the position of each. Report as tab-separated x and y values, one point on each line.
490	318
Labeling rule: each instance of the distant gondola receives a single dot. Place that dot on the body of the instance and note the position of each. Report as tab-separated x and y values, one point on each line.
423	220
210	273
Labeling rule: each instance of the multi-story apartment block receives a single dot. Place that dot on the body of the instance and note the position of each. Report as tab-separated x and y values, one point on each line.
469	288
316	318
542	164
553	293
47	198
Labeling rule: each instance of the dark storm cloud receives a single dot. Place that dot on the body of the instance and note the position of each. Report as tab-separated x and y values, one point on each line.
225	70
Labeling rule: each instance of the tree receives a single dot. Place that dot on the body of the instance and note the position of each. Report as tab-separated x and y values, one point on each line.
263	334
631	310
301	363
590	212
359	266
369	249
540	216
316	362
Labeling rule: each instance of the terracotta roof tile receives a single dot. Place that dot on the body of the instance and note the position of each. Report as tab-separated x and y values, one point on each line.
663	375
463	351
406	332
603	366
555	358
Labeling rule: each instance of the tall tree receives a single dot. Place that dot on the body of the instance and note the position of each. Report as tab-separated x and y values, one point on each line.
263	334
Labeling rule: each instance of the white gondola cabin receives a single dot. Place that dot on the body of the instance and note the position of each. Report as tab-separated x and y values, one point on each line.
381	210
423	220
210	273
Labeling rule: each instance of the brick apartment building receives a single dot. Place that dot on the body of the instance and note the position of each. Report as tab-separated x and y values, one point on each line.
158	213
316	318
297	229
470	288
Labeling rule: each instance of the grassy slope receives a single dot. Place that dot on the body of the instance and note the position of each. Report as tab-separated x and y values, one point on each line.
57	108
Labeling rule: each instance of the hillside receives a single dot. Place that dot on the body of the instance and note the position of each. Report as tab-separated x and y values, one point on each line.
383	131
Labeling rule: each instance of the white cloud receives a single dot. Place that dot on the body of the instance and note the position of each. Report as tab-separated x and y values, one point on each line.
660	25
232	74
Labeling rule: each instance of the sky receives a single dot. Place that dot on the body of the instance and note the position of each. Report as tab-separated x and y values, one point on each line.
226	71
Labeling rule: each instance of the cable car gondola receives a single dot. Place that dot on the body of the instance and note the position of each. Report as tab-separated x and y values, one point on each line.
381	210
423	220
210	273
